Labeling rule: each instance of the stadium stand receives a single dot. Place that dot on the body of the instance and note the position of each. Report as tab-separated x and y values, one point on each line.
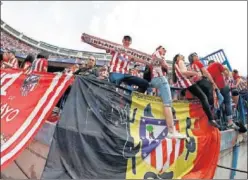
22	44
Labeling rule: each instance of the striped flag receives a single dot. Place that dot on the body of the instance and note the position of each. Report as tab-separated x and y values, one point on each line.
26	103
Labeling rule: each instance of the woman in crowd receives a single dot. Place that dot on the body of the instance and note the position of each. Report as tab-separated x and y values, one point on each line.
240	84
190	80
27	63
158	69
230	81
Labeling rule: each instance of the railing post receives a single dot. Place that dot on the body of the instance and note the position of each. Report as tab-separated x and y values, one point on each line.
241	110
235	155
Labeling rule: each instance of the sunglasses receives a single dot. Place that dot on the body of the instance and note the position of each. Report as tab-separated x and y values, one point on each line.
159	47
194	54
127	40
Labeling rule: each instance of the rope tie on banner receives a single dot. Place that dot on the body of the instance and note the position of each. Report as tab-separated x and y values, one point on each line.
238	170
224	167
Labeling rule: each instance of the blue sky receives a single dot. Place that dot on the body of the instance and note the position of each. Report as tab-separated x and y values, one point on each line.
182	27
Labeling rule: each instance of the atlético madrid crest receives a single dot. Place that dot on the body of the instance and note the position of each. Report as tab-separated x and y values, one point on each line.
158	151
156	148
29	84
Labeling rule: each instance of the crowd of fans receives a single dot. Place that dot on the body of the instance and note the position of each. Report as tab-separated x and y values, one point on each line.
213	85
9	42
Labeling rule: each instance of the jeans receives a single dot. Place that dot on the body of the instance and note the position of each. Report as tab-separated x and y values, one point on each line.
196	90
161	83
118	78
227	101
244	94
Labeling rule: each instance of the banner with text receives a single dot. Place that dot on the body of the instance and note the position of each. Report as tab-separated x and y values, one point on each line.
26	103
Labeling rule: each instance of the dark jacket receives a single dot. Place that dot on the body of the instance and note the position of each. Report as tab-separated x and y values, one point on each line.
87	72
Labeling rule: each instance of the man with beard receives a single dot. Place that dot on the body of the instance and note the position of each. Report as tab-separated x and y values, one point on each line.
88	69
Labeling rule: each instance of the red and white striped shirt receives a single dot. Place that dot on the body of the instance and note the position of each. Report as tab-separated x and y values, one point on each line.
196	66
135	72
182	80
13	62
40	65
27	65
119	63
243	83
156	67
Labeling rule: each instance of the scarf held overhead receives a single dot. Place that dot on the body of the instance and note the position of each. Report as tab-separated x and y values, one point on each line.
106	45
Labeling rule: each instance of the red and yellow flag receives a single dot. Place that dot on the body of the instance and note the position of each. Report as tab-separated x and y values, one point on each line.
172	158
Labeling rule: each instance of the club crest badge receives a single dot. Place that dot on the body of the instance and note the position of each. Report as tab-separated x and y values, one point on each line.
29	84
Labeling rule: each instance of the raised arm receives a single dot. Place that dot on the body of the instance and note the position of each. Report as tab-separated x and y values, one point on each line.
8	64
140	61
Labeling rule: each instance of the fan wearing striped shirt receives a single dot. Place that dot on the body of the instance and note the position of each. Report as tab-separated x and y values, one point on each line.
230	81
240	84
40	64
187	79
158	69
119	68
10	60
27	63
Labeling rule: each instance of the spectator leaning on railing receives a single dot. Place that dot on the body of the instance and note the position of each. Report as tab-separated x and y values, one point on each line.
217	71
230	81
189	80
240	84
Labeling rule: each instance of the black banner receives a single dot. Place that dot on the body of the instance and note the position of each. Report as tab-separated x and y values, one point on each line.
89	139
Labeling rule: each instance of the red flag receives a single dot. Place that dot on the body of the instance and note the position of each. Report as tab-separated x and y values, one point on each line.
26	103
